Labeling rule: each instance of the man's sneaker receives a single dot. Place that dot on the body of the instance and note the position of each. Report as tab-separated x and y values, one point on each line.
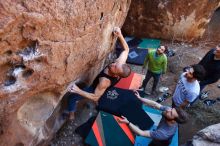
160	99
71	116
167	95
147	93
209	102
141	88
204	95
65	115
153	93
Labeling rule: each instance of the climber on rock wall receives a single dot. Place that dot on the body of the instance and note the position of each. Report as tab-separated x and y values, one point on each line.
107	78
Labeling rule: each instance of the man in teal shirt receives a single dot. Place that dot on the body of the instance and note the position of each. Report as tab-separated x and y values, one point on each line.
157	65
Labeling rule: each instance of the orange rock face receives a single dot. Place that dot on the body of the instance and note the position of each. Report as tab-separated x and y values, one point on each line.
44	45
173	20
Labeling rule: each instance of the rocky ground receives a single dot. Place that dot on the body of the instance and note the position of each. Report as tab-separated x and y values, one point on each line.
201	115
66	136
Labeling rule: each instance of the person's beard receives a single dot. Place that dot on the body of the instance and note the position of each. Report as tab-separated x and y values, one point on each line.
167	119
217	53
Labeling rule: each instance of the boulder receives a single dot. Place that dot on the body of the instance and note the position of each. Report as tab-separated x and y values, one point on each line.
173	20
209	136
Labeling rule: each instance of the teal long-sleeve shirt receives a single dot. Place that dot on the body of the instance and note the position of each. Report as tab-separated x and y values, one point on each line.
156	63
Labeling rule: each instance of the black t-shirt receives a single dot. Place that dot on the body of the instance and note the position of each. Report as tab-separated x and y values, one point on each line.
211	65
114	80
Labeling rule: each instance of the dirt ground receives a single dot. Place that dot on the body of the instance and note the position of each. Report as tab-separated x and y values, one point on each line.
201	115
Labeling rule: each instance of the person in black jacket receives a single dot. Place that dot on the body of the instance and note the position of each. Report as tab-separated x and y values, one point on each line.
211	64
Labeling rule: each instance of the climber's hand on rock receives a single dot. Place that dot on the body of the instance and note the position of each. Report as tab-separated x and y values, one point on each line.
74	88
117	31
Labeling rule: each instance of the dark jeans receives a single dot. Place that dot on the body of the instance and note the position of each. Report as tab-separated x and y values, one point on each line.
73	98
206	82
149	75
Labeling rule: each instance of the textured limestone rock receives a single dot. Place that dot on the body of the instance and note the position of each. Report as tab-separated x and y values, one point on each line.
208	136
177	20
44	45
